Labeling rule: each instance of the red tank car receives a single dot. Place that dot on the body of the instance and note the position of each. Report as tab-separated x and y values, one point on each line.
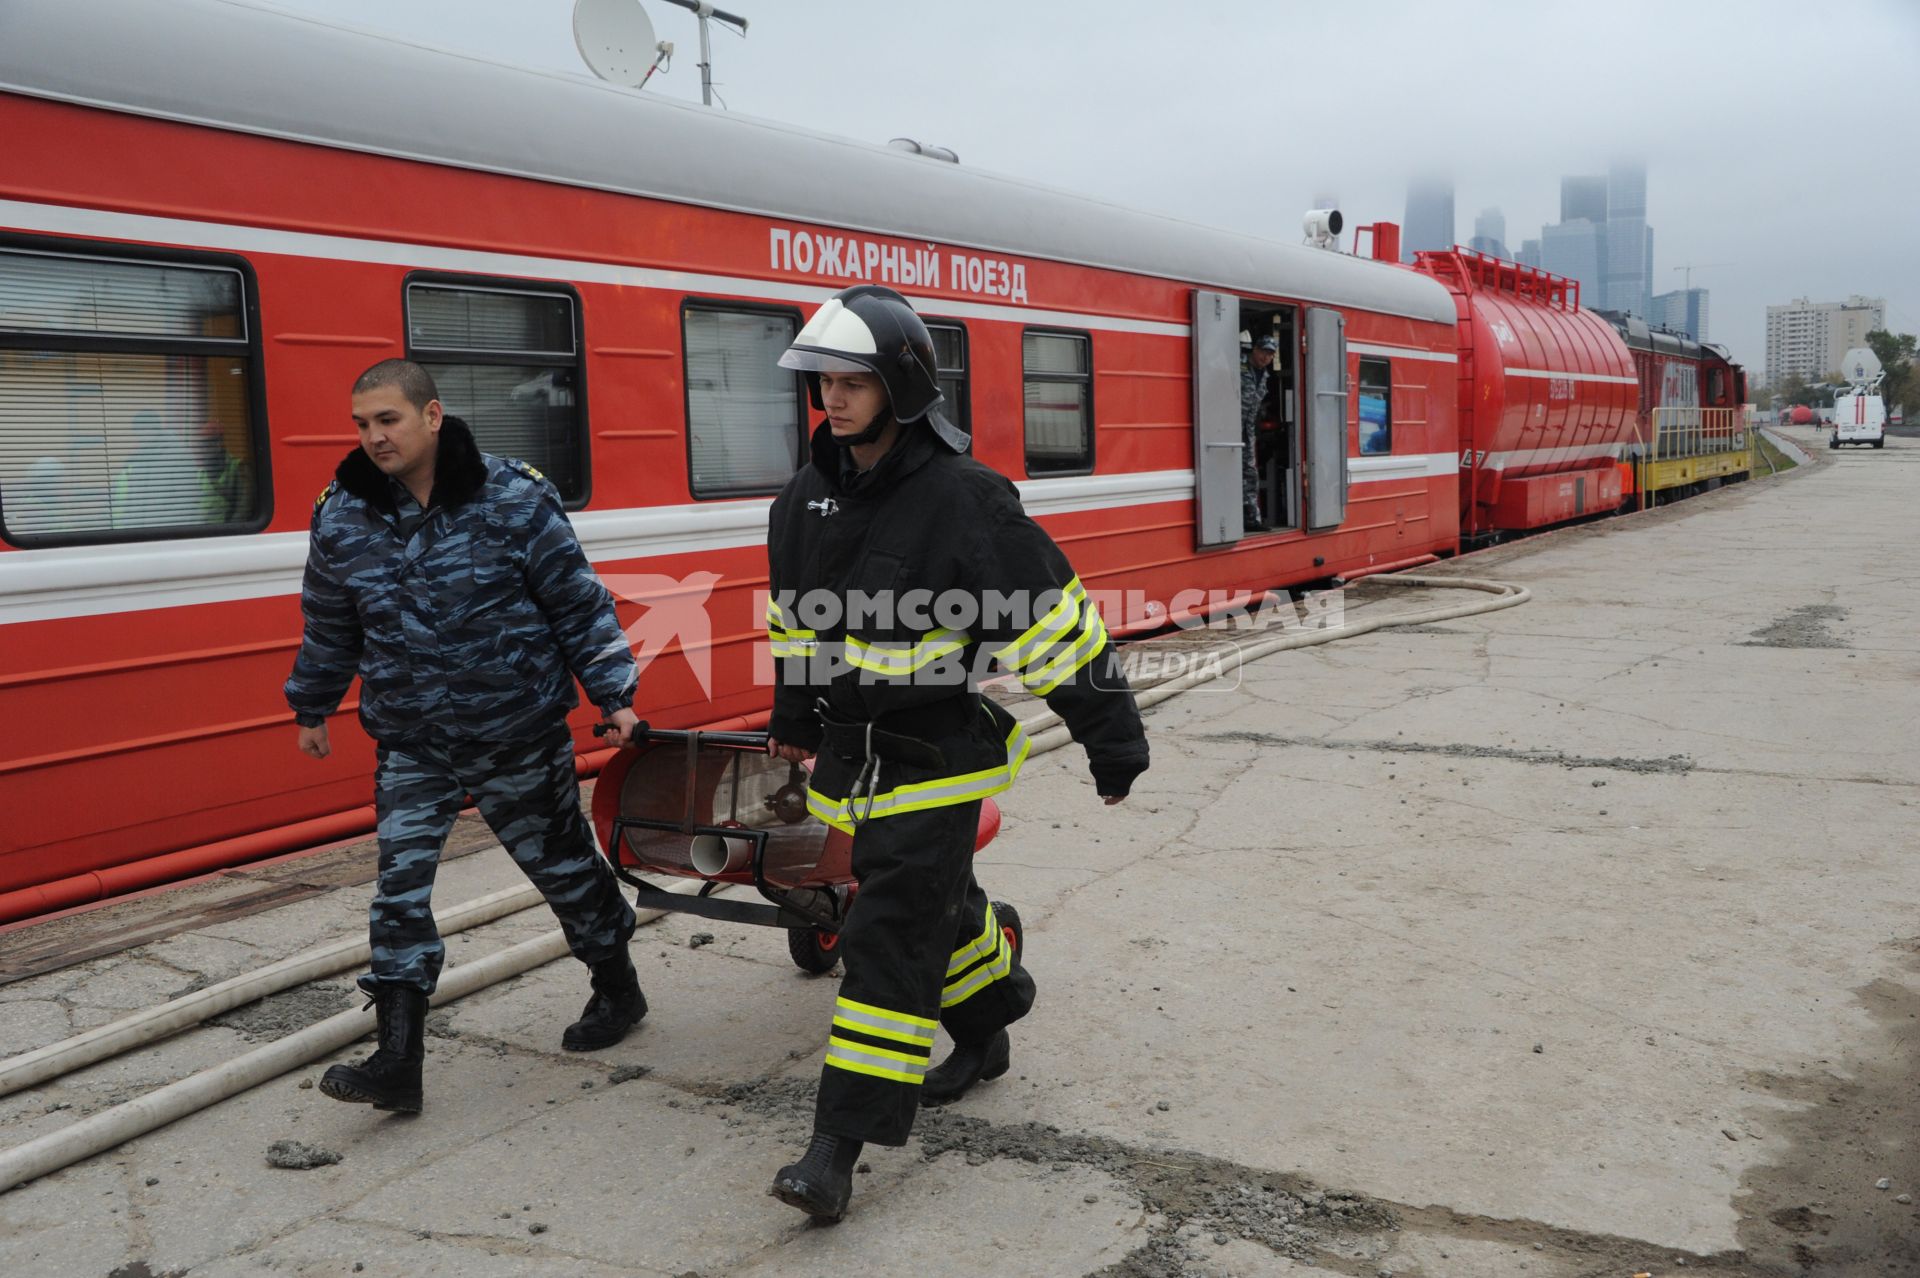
1547	396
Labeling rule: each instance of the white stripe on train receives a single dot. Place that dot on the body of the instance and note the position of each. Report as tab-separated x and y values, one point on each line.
85	581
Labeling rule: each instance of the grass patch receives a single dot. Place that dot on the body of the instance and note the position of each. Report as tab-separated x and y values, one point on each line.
1781	462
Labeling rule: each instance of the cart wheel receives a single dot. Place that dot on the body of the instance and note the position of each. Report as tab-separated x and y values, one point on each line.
1010	927
813	949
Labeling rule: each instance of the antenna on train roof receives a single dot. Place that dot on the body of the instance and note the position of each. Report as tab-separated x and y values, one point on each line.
703	9
615	39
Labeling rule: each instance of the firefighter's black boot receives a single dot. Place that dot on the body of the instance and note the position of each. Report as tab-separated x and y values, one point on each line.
390	1078
615	1007
968	1064
821	1183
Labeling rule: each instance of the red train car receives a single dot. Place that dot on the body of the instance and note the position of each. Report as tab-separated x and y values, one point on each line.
216	217
1547	396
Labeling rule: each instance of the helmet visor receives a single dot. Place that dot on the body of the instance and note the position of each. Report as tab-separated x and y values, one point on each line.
822	362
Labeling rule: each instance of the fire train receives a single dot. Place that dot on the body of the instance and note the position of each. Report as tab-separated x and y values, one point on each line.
214	216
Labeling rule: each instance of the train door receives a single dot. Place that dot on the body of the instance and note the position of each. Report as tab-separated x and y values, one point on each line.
1217	443
1325	361
1226	334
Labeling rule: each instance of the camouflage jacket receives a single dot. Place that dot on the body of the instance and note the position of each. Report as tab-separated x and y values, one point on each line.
1256	387
469	622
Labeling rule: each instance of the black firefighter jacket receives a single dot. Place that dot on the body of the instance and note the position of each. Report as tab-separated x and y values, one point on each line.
929	534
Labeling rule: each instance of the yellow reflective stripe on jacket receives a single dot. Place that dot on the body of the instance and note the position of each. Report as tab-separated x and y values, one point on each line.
879	1022
1070	662
785	640
978	948
960	990
1043	632
892	659
859	1058
921	795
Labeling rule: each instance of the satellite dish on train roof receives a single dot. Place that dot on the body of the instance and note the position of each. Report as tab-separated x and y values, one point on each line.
615	39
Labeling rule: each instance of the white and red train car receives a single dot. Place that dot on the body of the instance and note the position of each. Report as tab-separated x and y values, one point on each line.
213	216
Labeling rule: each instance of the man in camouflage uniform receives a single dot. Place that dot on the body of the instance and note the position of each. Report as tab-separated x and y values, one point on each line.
452	584
1256	393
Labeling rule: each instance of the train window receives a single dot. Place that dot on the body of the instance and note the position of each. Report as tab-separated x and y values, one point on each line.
129	395
746	416
1376	407
506	358
1057	368
950	360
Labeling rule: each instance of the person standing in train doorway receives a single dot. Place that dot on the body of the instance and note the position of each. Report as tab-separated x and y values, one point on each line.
890	514
450	581
1256	407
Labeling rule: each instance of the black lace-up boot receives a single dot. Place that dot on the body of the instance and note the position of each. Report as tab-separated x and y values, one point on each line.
615	1007
821	1183
390	1078
968	1064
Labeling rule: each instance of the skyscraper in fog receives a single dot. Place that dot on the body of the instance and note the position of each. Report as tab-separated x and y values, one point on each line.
1429	215
1576	250
1682	311
1583	197
1629	245
1529	254
1489	233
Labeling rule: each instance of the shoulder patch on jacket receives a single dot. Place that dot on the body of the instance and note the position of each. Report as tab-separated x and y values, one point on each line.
526	468
332	487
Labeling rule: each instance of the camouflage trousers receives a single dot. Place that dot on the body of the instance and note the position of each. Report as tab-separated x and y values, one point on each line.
1250	469
528	795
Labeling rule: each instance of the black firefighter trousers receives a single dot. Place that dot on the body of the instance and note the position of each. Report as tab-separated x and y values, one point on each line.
921	947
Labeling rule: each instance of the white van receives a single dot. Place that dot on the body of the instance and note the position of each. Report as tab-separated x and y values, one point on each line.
1860	415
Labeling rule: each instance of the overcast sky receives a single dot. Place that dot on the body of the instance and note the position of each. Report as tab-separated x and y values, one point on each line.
1782	137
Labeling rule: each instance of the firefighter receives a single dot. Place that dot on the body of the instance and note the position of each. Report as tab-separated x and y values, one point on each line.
451	582
891	526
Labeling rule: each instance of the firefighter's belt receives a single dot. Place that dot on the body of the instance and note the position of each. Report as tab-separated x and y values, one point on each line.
862	741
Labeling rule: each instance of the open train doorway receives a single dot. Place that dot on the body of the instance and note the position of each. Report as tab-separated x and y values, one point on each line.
1269	406
1247	450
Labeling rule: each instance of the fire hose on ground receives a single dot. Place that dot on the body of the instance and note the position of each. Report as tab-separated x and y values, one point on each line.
120	1123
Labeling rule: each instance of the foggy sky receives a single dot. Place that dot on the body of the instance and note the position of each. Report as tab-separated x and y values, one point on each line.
1782	138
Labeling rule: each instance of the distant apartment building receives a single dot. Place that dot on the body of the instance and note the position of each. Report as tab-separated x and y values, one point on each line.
1429	216
1682	311
1489	233
1529	254
1809	339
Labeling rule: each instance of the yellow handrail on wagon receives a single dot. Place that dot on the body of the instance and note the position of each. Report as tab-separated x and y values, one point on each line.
1692	444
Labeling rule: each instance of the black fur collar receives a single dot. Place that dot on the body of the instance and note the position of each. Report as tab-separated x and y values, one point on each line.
459	471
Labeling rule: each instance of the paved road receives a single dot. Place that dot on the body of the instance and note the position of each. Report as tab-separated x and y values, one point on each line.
1574	939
